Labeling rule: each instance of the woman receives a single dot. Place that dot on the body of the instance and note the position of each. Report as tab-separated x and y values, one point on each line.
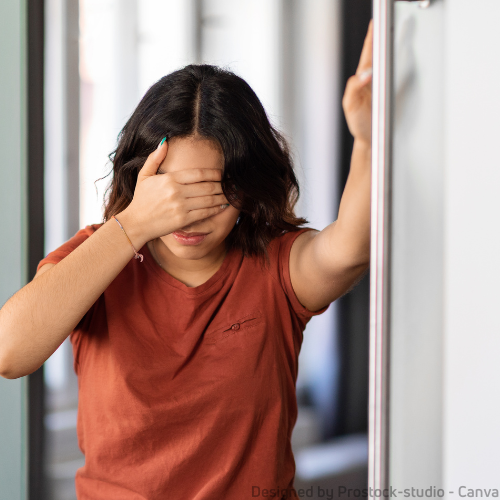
186	354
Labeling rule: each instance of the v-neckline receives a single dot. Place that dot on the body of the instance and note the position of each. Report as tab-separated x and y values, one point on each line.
191	290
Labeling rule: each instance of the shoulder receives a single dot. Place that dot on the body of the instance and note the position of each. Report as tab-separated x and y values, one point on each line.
282	245
284	252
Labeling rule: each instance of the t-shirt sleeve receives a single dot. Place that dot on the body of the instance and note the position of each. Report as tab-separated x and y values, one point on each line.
55	257
285	246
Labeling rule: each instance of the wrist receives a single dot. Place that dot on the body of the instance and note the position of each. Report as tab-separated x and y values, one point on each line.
362	144
133	228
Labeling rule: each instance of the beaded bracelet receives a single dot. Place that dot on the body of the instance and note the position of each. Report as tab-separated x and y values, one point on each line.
137	255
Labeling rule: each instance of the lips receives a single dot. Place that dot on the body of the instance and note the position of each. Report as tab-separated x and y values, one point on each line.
185	238
189	235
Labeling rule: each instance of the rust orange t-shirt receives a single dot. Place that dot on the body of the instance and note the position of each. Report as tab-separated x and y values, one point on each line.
189	392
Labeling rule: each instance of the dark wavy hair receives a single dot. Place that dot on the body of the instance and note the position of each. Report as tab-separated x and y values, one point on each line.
216	104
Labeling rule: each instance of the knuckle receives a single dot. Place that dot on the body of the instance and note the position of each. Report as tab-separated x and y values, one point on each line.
170	192
170	178
178	206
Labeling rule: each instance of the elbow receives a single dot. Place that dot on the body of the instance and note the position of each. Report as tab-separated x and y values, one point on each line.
6	369
9	372
13	365
12	360
9	375
9	368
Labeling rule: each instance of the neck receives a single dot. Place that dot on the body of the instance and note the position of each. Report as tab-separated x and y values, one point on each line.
191	272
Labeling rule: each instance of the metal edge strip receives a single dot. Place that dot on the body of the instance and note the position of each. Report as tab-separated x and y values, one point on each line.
378	418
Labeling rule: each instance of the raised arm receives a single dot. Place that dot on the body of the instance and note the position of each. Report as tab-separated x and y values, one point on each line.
36	320
324	265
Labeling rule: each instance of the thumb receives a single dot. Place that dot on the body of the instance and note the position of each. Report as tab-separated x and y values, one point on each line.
154	160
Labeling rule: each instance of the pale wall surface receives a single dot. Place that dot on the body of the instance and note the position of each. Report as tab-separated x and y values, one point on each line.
472	246
417	256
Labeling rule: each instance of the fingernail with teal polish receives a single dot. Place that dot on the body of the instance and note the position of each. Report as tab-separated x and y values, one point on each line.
161	143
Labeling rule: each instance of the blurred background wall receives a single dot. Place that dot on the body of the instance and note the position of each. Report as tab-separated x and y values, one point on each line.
14	232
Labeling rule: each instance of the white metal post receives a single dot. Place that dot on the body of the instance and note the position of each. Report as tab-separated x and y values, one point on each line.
380	239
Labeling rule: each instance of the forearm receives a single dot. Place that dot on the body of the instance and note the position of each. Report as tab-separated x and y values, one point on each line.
349	236
37	319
